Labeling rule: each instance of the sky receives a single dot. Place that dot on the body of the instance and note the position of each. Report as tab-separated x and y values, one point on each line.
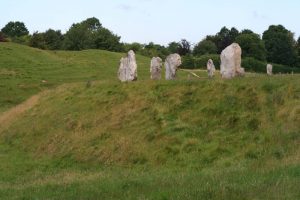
158	21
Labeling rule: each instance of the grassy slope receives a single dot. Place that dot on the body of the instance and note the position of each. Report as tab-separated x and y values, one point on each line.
184	139
23	70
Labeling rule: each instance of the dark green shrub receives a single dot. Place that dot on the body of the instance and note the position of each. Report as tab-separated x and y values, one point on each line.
2	37
190	62
253	65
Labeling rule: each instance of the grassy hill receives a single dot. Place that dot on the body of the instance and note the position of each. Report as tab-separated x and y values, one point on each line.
183	139
24	71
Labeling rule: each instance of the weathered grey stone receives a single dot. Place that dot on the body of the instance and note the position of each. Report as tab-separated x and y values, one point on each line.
231	62
210	68
155	68
269	69
172	63
240	72
128	68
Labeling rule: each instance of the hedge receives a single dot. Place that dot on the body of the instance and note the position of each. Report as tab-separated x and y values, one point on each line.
250	64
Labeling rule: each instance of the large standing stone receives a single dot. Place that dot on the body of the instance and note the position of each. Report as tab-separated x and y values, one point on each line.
210	68
128	68
172	63
269	69
155	68
231	62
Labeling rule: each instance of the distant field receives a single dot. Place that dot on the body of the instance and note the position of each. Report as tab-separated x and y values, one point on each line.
184	139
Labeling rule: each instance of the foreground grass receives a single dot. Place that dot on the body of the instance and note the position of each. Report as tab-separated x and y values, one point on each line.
214	139
52	179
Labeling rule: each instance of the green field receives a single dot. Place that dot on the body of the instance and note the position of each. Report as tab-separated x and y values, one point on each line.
184	139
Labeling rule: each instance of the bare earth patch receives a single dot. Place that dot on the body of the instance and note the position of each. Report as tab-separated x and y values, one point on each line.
11	115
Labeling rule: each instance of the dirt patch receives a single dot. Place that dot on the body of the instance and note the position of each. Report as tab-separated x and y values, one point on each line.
12	114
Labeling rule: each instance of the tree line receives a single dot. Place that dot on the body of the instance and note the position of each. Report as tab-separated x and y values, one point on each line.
276	45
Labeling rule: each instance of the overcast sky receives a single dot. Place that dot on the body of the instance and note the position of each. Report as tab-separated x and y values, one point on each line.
160	21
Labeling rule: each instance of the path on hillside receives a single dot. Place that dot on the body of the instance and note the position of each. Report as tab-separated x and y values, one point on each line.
9	116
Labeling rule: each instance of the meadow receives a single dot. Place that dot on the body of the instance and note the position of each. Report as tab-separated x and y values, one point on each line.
85	135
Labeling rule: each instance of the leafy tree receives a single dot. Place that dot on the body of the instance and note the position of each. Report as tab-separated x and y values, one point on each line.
252	46
205	47
15	29
212	38
225	38
298	46
2	38
246	31
53	39
38	40
93	24
280	45
173	47
153	50
89	34
136	47
106	40
184	47
78	37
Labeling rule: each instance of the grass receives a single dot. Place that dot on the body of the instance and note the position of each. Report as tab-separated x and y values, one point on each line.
25	71
183	139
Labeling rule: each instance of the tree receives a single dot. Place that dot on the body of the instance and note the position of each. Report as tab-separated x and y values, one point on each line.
184	47
225	38
252	46
89	34
280	45
15	29
93	24
153	50
135	46
173	47
79	37
106	40
205	47
38	40
298	46
53	39
2	38
246	31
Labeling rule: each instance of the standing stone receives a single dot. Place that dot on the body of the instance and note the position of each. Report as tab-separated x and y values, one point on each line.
172	63
155	68
231	62
128	68
210	68
269	69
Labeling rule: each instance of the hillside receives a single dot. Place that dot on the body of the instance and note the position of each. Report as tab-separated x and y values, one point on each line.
183	139
25	71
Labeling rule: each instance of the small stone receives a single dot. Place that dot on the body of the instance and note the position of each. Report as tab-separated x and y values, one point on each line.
269	69
210	68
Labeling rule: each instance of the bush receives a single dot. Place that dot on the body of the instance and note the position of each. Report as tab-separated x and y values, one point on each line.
2	37
190	62
277	68
25	39
38	40
253	65
205	47
250	64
